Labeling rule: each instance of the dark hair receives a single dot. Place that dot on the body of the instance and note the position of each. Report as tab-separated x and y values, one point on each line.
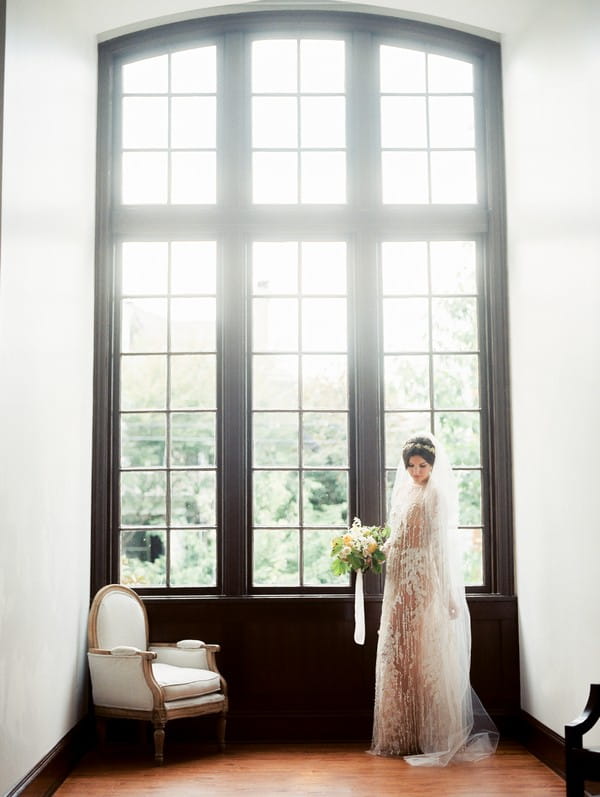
418	446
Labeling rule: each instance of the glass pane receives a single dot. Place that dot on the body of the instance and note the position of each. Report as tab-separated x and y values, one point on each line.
390	477
275	498
144	268
193	267
145	123
453	178
193	324
193	558
275	177
144	178
275	267
404	267
322	66
324	267
460	433
402	70
275	438
472	556
453	267
193	438
403	122
194	70
323	177
193	178
275	122
454	323
469	497
325	497
451	122
447	75
399	426
275	324
143	561
456	381
317	559
323	122
193	498
405	325
406	382
325	439
144	325
275	66
324	325
193	122
143	383
143	440
405	178
324	382
275	382
143	498
148	76
193	381
276	558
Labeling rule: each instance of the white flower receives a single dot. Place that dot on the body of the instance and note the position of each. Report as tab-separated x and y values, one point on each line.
345	552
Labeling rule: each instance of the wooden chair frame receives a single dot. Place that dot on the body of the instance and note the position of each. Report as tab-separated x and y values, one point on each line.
582	763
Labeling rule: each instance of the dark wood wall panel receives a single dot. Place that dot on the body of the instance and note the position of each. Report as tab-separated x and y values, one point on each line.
294	671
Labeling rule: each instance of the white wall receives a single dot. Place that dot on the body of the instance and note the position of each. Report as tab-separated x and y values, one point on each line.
46	315
46	281
552	118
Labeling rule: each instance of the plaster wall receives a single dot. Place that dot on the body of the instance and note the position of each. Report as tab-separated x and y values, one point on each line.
552	121
46	281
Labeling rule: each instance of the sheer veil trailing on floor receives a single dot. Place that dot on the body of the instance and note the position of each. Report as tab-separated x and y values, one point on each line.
425	708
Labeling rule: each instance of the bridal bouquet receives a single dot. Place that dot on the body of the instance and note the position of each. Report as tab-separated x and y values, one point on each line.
359	548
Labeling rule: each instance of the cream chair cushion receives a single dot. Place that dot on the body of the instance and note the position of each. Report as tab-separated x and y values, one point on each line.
184	682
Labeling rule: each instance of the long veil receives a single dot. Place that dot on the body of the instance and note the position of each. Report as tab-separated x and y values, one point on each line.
453	723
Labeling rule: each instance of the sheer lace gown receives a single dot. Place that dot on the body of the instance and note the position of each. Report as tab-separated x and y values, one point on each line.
421	683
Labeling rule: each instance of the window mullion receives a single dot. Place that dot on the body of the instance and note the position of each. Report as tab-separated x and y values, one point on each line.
364	172
233	125
233	192
364	198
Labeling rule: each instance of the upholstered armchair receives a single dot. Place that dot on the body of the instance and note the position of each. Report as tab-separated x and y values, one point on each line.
157	682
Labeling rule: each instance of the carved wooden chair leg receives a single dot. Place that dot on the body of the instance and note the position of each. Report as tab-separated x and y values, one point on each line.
221	723
159	741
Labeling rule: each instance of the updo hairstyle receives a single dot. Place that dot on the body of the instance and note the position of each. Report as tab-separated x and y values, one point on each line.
418	446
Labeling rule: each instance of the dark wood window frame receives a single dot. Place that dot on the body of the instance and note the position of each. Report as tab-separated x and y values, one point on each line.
485	221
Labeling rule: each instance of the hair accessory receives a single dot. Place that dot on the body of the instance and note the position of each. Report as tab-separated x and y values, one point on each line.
424	446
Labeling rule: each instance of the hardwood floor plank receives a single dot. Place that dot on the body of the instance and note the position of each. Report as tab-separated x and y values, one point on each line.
303	770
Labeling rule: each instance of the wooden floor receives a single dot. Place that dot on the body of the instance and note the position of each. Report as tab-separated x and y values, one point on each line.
307	770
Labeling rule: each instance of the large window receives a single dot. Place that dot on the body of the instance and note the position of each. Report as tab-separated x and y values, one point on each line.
300	263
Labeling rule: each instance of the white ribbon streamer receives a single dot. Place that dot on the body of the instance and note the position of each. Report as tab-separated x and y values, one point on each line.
359	610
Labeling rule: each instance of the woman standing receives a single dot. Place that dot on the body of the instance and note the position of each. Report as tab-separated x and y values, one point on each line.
425	709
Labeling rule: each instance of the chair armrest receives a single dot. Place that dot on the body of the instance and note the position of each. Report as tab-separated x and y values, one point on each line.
123	651
124	680
200	657
575	729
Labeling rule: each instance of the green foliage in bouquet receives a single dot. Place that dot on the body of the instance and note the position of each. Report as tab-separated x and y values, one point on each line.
360	548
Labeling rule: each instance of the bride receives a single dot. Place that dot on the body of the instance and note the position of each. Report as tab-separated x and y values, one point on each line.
425	708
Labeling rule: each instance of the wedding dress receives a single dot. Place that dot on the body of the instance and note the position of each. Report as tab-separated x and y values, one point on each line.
425	708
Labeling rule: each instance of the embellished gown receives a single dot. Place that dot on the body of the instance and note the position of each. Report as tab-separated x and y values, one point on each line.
423	706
